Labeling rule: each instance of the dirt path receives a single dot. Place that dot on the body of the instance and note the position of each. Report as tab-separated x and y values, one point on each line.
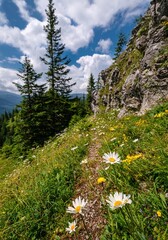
89	189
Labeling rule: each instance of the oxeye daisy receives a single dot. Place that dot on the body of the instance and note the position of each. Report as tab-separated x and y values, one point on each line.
118	200
111	158
71	227
78	205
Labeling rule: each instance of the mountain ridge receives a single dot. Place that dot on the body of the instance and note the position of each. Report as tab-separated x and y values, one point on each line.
138	79
8	101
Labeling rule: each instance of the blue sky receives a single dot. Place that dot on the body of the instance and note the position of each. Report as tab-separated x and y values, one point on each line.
90	30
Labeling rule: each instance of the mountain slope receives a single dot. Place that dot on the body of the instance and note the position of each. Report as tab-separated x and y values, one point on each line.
35	196
138	79
8	101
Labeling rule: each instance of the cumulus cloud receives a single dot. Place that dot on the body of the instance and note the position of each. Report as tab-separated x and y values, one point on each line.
78	20
88	64
104	45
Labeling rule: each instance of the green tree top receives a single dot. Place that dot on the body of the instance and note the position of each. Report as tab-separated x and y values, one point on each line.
59	83
120	44
90	91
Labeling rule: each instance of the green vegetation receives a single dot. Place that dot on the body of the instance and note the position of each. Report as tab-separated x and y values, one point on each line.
36	195
120	44
46	109
90	91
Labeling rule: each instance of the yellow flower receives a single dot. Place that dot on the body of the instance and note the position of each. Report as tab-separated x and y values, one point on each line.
111	129
161	114
125	138
159	214
166	111
131	158
140	122
101	180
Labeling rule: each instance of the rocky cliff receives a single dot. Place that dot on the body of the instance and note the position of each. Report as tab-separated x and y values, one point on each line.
138	79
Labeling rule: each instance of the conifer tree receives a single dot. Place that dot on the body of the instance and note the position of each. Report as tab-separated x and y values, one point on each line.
57	63
90	91
29	126
120	44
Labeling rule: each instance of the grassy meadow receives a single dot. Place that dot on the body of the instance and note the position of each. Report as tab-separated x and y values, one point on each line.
36	193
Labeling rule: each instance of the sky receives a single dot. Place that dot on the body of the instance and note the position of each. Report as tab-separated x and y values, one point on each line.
89	30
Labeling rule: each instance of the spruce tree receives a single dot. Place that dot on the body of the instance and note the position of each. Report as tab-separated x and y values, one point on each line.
90	91
120	44
29	120
57	71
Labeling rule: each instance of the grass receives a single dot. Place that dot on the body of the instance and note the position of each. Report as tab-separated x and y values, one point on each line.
36	195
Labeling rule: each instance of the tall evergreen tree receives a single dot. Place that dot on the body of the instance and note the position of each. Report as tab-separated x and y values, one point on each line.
120	44
58	81
57	64
90	91
30	125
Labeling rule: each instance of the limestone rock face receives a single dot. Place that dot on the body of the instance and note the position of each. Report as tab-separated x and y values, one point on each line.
138	79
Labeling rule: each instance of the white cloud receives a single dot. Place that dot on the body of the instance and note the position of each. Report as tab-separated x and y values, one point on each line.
3	19
7	76
88	64
104	45
30	41
22	6
77	19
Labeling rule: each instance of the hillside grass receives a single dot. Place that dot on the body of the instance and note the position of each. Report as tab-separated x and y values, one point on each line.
35	196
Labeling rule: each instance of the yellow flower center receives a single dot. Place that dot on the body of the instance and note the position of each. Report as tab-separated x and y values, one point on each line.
111	159
77	209
117	203
72	227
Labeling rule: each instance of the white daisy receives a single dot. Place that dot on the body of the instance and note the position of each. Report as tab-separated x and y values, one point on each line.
111	158
71	227
118	200
78	205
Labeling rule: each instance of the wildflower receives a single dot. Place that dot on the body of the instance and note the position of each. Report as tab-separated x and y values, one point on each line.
101	180
78	205
74	148
125	138
84	161
111	158
135	140
166	111
111	129
159	214
71	227
131	158
113	139
140	122
118	200
161	114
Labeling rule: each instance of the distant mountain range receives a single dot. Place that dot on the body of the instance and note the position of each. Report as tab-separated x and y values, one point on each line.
9	100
